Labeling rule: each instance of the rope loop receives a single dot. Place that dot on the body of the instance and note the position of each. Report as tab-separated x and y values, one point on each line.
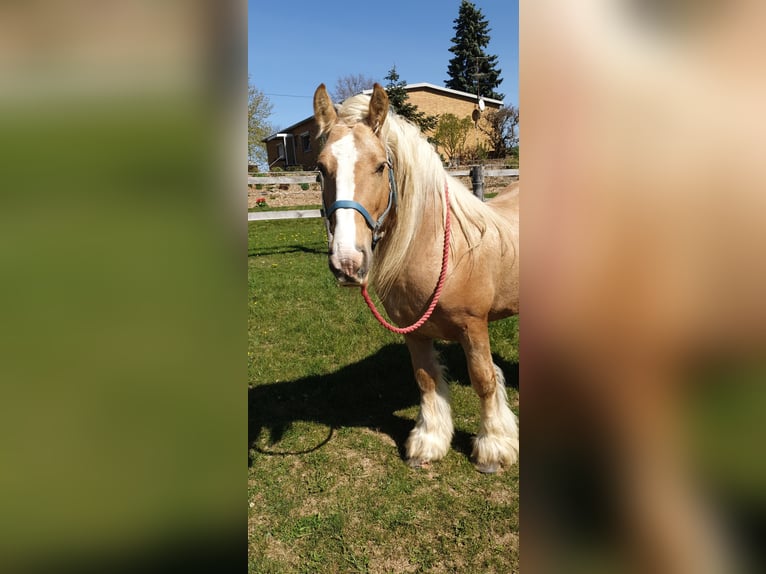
439	286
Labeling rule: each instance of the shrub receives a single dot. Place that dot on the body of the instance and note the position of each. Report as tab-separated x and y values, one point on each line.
451	133
481	152
305	186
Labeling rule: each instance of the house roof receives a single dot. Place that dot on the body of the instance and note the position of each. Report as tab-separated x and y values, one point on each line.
287	129
422	85
445	90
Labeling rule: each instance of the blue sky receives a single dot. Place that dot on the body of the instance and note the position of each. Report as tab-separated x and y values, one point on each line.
295	45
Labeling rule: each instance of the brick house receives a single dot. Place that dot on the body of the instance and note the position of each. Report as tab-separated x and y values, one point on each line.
297	145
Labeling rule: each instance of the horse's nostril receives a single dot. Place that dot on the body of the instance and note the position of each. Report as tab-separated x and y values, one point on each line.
350	269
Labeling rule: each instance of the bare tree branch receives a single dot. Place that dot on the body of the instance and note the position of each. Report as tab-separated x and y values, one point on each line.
501	128
258	127
351	85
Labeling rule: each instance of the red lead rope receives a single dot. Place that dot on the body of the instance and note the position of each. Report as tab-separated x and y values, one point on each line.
439	285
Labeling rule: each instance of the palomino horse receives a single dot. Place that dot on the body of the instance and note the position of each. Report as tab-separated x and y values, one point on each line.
387	196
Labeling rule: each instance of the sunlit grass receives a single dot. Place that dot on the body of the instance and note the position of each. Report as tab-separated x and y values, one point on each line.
332	398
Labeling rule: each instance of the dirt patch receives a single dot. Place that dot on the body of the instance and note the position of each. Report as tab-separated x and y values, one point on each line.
383	562
281	553
502	496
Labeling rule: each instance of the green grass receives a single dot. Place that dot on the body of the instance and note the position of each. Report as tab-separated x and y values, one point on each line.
331	401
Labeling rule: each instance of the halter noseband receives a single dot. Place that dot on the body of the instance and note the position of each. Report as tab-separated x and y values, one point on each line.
374	225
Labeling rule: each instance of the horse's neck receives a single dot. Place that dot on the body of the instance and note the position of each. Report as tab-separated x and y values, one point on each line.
425	223
416	234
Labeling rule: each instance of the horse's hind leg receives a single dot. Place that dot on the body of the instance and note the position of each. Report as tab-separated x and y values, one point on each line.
497	442
430	439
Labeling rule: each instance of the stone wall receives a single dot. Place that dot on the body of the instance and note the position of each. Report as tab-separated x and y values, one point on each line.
291	194
284	194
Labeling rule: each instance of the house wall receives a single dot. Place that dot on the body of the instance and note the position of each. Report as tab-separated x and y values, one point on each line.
271	152
435	103
306	158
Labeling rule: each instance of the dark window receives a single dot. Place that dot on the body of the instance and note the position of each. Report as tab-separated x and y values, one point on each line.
306	142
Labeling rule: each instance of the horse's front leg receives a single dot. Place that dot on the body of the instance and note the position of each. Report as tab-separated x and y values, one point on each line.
497	442
430	439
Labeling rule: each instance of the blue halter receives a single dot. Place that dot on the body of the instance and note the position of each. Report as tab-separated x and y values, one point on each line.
374	225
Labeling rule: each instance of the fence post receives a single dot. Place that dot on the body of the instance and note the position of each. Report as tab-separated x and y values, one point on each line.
477	181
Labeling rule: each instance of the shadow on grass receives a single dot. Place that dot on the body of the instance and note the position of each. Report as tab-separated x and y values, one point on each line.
365	394
457	369
285	249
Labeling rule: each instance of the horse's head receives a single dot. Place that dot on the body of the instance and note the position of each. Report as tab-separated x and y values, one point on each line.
358	190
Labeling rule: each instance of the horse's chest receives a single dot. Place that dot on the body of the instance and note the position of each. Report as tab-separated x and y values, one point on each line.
403	304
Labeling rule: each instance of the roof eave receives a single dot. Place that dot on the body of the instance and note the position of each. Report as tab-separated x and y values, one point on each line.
448	90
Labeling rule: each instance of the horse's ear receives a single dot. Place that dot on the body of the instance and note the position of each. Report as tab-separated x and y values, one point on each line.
324	111
378	107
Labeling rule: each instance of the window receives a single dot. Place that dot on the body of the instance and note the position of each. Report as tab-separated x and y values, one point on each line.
280	151
306	141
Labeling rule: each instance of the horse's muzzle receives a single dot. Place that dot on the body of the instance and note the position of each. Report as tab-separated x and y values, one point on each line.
350	268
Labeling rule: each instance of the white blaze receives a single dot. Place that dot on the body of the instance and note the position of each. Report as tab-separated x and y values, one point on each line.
344	238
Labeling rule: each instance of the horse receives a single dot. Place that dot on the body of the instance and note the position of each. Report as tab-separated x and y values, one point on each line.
388	201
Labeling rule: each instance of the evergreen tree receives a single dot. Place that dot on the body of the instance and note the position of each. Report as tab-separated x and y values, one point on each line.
471	67
397	98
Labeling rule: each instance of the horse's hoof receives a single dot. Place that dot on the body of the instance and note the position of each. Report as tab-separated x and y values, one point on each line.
488	467
417	463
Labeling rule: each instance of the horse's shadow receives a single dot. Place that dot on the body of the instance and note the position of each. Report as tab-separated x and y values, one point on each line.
367	394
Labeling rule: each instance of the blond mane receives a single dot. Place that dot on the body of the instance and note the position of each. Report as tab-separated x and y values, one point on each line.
420	180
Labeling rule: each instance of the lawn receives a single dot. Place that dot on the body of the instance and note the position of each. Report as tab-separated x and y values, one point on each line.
331	401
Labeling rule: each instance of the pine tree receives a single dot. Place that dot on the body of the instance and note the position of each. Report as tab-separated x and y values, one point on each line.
471	68
397	98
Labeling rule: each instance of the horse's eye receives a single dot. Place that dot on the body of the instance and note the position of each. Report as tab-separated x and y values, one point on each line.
381	167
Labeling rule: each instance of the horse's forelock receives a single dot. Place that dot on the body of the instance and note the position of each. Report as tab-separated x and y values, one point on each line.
354	109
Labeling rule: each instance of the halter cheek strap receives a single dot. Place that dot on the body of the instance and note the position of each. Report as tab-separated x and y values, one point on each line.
374	225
